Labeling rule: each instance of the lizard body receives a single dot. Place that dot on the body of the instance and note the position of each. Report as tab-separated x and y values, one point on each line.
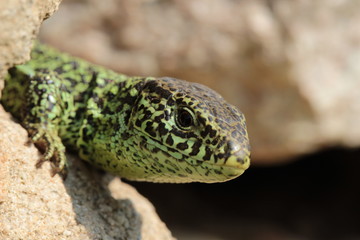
141	128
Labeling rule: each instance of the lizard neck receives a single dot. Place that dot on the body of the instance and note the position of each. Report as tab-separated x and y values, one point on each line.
105	126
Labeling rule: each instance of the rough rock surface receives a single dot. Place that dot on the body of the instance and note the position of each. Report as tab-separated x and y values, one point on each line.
34	205
290	66
20	21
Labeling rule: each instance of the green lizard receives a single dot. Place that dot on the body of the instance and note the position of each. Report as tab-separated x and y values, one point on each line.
140	128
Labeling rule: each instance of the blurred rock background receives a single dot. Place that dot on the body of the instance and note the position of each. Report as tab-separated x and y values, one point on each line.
293	68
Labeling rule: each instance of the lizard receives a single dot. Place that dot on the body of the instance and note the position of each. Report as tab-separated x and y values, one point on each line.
156	129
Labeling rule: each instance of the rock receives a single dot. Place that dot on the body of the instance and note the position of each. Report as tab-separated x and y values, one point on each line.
290	66
20	22
33	205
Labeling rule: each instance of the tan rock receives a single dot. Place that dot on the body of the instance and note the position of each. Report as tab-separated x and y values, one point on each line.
20	21
291	66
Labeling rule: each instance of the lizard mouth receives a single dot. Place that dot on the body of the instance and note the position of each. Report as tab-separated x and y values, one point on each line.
237	157
225	169
239	160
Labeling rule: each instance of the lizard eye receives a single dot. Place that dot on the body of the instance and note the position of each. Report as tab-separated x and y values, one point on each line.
184	118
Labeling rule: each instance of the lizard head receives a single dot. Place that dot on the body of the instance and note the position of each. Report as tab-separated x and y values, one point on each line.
188	132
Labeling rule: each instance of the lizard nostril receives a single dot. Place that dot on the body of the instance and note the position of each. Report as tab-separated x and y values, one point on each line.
231	148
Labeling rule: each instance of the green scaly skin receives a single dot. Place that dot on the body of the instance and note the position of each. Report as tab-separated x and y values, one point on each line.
140	128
